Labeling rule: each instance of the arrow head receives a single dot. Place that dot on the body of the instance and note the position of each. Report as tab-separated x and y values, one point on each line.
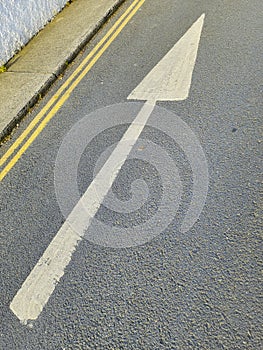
170	79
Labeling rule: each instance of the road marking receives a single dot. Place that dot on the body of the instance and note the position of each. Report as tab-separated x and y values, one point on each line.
66	89
41	282
171	78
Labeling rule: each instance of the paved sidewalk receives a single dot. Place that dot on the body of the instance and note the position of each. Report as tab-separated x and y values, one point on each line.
37	65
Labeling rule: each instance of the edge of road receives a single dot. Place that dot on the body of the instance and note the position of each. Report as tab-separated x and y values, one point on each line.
36	67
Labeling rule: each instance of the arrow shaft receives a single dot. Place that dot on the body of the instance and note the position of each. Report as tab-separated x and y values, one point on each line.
41	282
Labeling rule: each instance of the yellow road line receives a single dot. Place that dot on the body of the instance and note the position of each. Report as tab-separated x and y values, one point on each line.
66	95
54	98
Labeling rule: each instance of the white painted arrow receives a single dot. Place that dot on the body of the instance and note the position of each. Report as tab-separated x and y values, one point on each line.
169	80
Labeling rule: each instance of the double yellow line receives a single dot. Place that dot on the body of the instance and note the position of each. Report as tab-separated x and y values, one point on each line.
19	147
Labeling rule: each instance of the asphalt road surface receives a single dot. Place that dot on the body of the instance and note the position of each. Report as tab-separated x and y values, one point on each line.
142	276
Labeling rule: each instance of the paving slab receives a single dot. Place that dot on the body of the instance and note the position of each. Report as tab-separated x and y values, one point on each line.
36	66
17	90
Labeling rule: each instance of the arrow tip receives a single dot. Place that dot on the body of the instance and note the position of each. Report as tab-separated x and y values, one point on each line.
170	79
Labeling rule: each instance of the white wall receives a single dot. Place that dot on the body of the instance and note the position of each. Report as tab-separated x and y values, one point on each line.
22	19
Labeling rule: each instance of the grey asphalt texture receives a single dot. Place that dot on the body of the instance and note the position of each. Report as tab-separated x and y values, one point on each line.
197	290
